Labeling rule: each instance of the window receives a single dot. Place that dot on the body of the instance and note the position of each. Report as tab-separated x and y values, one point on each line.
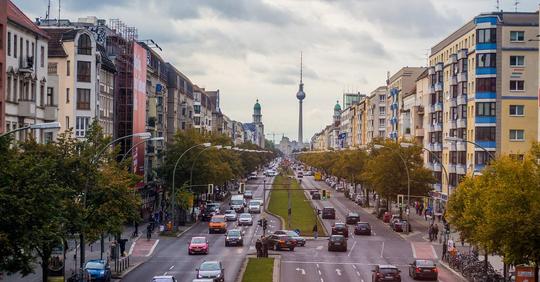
81	125
67	95
485	109
481	158
517	85
453	91
197	109
488	35
382	98
42	58
517	36
42	95
84	45
517	61
517	157
15	45
463	111
67	122
9	43
382	133
517	110
485	133
454	113
8	89
83	71
50	97
517	135
486	60
382	122
83	99
68	69
486	84
382	110
15	84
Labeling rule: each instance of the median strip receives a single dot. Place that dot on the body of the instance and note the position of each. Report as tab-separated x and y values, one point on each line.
259	270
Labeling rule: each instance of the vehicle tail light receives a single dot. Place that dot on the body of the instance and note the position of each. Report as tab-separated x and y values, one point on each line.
434	269
281	242
417	269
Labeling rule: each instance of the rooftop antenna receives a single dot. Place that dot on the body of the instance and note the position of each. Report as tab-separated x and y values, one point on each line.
516	3
48	10
301	65
59	12
497	6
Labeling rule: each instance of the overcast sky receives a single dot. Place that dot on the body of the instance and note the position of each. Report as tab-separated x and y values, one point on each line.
250	49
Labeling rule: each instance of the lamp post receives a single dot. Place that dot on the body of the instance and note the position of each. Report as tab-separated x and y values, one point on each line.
378	146
139	143
174	176
45	125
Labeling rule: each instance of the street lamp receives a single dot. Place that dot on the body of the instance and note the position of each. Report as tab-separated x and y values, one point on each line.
378	146
218	147
139	143
174	176
44	125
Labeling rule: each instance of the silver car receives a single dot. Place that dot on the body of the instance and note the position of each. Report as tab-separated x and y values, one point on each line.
245	219
254	207
231	215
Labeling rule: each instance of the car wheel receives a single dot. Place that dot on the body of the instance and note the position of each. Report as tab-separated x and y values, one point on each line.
189	253
226	244
209	231
292	249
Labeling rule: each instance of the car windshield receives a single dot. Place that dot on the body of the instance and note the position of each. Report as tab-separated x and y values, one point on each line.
95	265
339	225
212	207
336	238
162	280
254	204
209	266
237	202
230	212
234	233
353	215
328	209
248	193
425	263
292	233
388	270
217	219
245	215
363	225
198	240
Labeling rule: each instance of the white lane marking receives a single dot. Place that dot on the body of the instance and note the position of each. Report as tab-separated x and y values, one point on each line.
382	249
172	266
358	273
301	270
317	265
319	272
336	263
349	254
322	280
362	280
434	253
164	274
319	248
374	234
354	266
152	249
413	250
338	271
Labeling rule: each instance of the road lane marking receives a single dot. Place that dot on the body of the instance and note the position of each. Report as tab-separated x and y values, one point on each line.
351	249
413	250
152	249
317	265
172	266
338	271
434	253
319	248
336	263
354	266
382	249
164	274
322	280
301	270
319	272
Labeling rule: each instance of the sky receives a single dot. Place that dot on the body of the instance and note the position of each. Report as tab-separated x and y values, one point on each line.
250	49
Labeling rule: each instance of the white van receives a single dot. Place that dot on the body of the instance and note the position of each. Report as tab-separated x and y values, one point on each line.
237	203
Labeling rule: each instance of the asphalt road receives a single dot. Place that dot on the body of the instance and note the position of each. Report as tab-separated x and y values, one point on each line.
315	263
171	258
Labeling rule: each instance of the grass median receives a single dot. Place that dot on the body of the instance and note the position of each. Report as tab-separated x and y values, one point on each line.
259	270
303	215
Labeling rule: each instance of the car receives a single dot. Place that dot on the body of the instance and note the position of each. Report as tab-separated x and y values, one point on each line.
211	269
300	241
98	269
280	242
395	218
328	213
352	218
230	215
198	245
217	224
248	194
337	243
254	207
362	228
252	175
245	219
257	200
405	224
425	269
386	273
316	195
308	173
300	174
164	278
234	237
210	210
202	280
340	228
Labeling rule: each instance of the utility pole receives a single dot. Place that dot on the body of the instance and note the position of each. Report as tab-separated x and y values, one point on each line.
289	211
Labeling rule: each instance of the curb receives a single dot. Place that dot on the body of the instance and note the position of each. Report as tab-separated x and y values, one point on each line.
129	270
275	271
445	265
271	213
189	228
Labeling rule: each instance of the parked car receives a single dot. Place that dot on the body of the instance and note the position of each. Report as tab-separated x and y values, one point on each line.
245	219
280	242
381	212
395	218
386	273
425	269
254	207
300	241
316	195
340	228
386	217
210	210
362	228
234	237
198	245
337	243
352	218
328	213
300	174
98	269
308	173
211	269
217	224
164	278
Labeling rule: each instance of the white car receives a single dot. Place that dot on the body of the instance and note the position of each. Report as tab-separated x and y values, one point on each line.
254	207
245	219
257	200
230	215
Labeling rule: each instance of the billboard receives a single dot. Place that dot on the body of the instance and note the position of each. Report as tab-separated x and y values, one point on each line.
139	105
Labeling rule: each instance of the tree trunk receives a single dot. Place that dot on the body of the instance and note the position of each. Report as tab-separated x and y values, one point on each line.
486	262
366	195
45	267
536	271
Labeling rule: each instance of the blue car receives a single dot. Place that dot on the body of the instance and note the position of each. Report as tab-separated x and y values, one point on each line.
98	269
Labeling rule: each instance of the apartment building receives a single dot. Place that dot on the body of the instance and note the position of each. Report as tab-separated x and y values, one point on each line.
202	110
179	102
106	80
376	114
24	81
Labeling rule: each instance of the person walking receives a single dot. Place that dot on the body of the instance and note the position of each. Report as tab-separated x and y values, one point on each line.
435	231
315	231
430	232
265	246
258	247
148	232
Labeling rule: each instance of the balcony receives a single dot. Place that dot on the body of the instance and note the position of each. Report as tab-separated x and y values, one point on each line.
437	187
438	86
419	110
435	127
437	166
419	132
437	107
452	101
50	113
452	124
462	99
452	59
431	89
27	108
453	80
462	77
461	169
462	123
435	147
438	67
462	54
431	71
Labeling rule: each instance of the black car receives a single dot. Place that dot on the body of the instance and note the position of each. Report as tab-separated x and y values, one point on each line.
300	241
211	269
352	218
210	210
340	229
425	269
337	243
362	228
386	273
280	242
316	196
328	213
234	237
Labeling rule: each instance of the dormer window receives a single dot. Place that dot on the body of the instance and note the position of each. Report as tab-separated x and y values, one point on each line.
84	45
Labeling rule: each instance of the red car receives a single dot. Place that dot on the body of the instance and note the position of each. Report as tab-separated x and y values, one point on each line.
198	245
340	229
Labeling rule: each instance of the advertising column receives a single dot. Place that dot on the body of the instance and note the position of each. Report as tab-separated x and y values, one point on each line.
139	105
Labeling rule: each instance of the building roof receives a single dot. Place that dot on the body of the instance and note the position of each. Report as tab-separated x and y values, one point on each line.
15	15
57	36
337	107
249	126
106	63
257	106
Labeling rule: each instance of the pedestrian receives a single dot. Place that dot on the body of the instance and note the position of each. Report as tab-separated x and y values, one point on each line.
421	209
444	251
258	247
430	232
425	214
148	232
462	239
265	243
315	231
435	231
136	232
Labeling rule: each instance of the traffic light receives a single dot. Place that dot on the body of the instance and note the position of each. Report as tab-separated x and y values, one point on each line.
259	222
265	223
242	188
324	193
210	189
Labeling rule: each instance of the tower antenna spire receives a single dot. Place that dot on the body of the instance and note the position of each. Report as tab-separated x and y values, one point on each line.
301	66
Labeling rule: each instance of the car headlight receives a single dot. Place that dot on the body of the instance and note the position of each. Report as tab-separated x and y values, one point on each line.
102	272
199	276
219	275
227	238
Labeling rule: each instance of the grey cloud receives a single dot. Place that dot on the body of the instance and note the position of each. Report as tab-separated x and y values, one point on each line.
282	80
